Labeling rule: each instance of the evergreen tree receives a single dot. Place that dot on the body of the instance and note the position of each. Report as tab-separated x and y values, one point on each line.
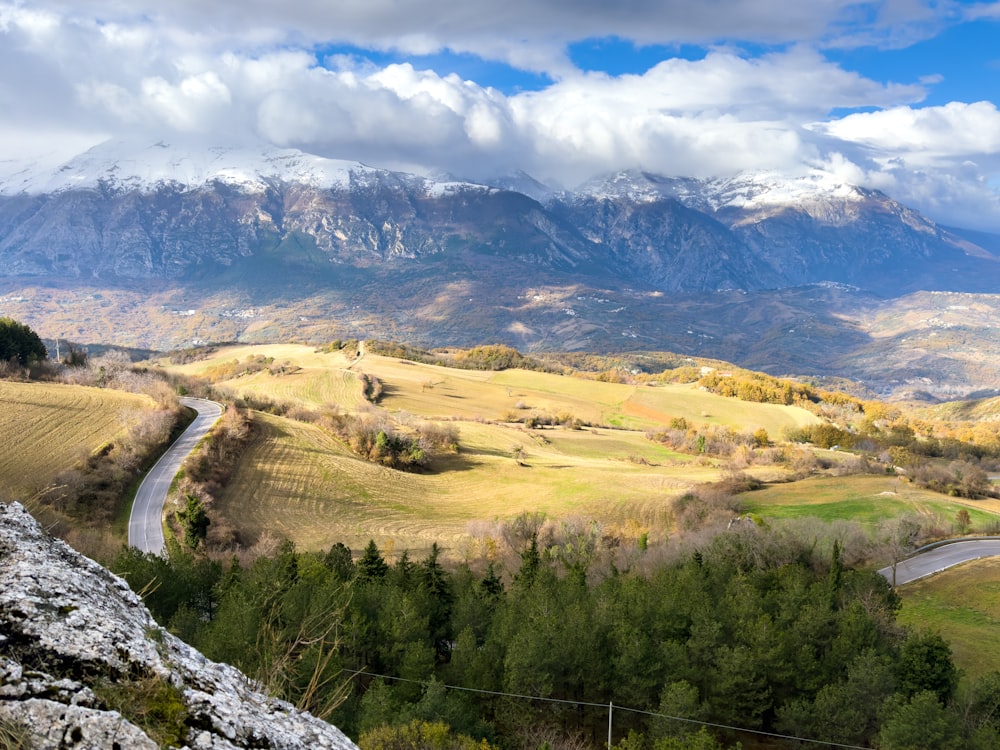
435	581
372	566
339	561
491	585
18	343
403	570
531	561
918	724
925	664
195	521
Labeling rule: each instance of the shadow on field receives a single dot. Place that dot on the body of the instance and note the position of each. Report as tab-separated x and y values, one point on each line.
467	461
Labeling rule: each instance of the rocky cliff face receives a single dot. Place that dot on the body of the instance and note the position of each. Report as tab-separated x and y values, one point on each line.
762	231
175	233
83	664
166	213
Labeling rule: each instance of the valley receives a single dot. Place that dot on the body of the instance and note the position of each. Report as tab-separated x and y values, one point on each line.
608	461
930	346
161	246
636	490
296	480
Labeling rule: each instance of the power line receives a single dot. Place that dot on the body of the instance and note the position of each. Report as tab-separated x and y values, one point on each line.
611	707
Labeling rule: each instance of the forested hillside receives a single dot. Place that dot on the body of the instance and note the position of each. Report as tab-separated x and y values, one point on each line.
754	629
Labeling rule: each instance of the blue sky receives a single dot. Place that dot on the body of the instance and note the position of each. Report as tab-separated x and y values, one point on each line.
898	95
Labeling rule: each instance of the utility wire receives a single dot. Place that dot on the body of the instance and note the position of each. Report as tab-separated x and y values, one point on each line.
614	707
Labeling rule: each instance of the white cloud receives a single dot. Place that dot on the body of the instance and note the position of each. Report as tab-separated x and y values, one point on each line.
939	160
531	34
241	70
988	10
957	196
714	116
924	136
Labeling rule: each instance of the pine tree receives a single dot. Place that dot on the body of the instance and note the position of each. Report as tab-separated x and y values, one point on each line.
372	566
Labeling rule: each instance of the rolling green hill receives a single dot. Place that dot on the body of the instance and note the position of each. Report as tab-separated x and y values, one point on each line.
569	447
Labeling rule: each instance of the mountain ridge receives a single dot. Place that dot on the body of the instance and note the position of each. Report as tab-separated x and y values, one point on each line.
323	248
742	232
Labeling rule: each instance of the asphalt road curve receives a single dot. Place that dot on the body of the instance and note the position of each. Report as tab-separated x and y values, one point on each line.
145	524
939	558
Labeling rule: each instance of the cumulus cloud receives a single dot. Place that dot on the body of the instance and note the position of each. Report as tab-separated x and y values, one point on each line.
926	136
526	33
937	159
254	70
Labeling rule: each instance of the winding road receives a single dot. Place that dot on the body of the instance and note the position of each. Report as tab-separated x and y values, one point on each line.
939	558
145	524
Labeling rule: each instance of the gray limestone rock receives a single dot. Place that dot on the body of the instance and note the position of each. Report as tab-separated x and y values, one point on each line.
71	633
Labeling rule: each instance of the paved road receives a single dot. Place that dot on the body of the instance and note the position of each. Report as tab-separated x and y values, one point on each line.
940	558
145	525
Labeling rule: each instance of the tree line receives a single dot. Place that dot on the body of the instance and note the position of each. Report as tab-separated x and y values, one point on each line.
754	628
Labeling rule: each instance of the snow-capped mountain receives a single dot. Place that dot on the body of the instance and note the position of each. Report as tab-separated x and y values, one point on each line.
168	243
169	209
762	230
145	167
751	192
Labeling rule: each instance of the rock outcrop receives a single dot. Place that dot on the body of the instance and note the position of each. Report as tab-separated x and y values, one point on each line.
84	665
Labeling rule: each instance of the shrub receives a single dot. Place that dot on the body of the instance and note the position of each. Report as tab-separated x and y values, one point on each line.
371	387
194	521
419	735
151	703
704	507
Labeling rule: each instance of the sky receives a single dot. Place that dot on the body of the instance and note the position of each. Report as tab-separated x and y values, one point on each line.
898	95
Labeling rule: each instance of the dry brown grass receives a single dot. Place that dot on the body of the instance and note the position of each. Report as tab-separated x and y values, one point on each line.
49	427
441	392
298	482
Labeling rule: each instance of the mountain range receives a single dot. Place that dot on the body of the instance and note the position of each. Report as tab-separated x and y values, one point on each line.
167	244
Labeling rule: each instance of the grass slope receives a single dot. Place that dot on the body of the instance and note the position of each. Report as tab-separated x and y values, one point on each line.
299	482
47	427
442	392
867	499
963	605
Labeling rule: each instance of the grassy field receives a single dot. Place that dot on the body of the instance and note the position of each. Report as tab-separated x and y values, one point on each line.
313	378
441	392
47	427
300	483
867	499
963	605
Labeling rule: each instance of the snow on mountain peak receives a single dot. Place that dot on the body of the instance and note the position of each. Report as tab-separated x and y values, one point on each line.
747	190
145	165
252	167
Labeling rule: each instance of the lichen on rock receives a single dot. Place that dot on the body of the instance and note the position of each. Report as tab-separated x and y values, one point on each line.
84	665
